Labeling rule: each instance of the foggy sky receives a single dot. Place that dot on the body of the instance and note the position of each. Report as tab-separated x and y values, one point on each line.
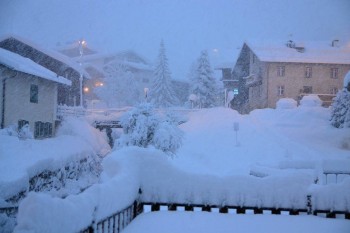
186	26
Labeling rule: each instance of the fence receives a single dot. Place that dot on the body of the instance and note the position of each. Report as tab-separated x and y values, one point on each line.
118	221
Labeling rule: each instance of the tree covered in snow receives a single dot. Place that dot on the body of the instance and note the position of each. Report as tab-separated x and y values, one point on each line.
120	87
162	93
203	84
340	115
144	126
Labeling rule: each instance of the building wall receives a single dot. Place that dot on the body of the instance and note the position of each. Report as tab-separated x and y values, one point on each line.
258	88
18	105
294	80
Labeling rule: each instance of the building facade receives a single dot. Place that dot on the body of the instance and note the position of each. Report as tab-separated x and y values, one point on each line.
55	62
269	73
28	94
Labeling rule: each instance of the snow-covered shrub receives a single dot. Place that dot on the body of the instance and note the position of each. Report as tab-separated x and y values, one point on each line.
286	103
340	113
311	101
143	126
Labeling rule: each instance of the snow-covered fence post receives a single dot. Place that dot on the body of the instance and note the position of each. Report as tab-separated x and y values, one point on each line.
309	204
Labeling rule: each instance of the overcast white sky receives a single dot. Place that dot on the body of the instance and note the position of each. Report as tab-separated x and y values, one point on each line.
187	26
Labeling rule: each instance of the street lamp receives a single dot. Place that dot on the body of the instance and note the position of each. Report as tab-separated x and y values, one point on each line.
82	43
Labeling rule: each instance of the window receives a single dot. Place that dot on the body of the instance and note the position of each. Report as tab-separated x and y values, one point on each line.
280	71
334	72
43	129
34	91
307	89
22	123
308	72
334	91
280	90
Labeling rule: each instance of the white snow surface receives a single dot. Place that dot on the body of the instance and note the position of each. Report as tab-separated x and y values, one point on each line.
311	101
289	145
286	103
17	62
185	222
23	159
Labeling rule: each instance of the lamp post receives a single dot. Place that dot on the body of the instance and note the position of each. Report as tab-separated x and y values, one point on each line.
82	43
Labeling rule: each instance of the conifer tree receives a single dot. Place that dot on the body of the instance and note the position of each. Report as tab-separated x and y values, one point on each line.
203	84
162	93
340	115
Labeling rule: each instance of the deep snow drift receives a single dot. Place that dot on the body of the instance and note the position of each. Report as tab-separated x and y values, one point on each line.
278	156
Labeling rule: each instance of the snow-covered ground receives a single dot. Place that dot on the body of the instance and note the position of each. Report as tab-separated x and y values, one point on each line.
185	222
278	155
273	138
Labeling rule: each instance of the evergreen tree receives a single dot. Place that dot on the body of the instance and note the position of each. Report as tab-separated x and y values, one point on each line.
340	115
203	84
120	88
162	93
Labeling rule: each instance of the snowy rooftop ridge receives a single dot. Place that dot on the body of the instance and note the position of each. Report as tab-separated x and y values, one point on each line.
314	52
17	62
56	55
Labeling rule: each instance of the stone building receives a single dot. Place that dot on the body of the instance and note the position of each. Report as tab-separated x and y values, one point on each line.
266	73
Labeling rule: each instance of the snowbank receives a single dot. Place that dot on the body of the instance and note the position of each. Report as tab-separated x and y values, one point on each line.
128	169
310	101
286	103
21	160
42	213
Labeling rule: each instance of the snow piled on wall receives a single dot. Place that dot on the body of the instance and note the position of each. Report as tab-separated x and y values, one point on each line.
24	159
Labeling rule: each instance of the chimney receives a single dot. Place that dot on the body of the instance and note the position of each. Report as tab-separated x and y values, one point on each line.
335	43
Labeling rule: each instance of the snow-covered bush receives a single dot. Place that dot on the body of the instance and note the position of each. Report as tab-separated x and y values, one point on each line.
286	103
143	126
311	101
340	114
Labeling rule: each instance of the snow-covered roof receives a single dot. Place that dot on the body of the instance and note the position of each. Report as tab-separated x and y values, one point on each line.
314	52
56	55
25	65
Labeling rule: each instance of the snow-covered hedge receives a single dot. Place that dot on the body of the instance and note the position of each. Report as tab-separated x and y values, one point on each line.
131	168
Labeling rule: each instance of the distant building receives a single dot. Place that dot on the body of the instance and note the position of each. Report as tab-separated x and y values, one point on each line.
267	73
98	65
28	94
55	62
